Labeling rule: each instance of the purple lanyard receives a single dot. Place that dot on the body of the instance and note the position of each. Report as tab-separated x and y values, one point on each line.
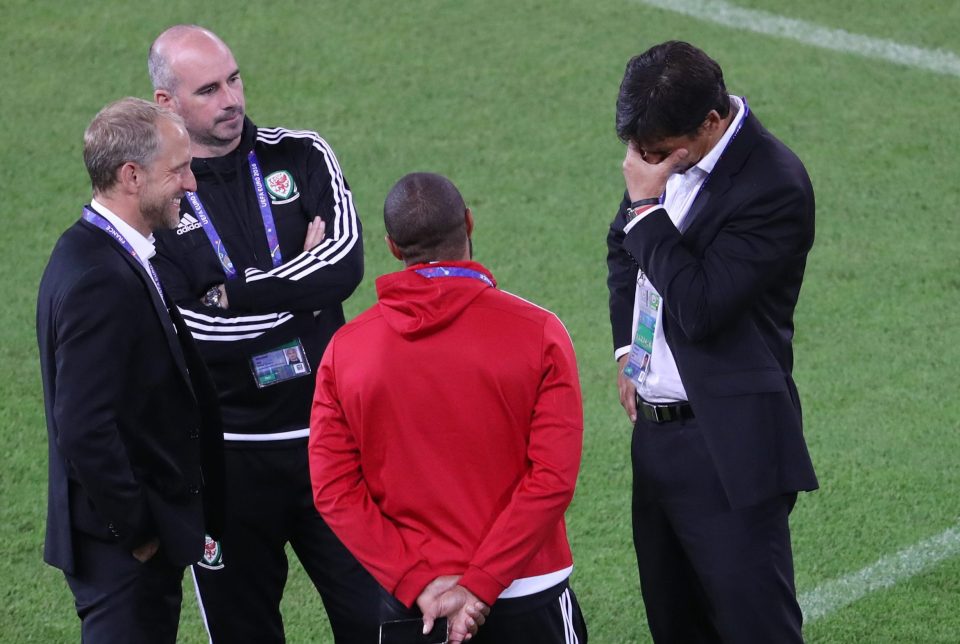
265	213
746	113
103	224
453	271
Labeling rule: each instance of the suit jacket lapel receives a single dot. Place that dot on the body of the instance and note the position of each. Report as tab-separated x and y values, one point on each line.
721	179
158	306
170	330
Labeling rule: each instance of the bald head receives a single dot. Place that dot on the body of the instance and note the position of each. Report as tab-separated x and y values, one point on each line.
167	45
195	74
427	219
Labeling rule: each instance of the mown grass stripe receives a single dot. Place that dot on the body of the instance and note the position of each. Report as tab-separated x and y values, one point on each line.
762	22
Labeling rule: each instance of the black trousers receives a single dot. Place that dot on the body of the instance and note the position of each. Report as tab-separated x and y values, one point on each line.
551	616
708	573
120	600
270	504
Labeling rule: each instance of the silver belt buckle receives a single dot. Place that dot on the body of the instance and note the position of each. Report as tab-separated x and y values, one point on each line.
661	414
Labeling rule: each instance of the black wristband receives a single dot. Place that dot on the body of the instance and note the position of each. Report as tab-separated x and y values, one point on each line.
645	202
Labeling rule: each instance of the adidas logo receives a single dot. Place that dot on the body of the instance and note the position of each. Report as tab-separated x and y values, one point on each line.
187	223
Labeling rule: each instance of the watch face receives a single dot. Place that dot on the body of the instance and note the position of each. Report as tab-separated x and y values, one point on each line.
212	297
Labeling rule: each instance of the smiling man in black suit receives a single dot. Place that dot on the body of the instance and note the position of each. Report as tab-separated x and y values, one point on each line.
706	257
135	445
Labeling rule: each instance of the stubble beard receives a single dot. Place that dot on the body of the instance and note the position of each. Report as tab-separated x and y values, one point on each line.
209	138
161	215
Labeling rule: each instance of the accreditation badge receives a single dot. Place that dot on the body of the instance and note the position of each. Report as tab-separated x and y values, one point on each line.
283	363
646	308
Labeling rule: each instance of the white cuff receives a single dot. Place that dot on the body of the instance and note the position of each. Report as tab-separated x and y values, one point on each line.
633	222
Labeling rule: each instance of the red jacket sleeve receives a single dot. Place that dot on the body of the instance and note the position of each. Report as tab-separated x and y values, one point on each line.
343	499
546	489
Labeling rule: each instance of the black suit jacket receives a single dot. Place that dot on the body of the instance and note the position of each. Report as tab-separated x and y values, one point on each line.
730	284
135	444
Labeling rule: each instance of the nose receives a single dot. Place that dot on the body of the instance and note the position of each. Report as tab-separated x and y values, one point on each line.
189	182
231	97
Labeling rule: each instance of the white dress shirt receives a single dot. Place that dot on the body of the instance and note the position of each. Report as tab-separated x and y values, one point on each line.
143	245
663	384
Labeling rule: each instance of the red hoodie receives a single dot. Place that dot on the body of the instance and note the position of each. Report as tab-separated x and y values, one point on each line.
446	434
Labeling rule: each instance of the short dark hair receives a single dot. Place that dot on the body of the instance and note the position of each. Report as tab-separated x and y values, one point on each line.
424	216
668	91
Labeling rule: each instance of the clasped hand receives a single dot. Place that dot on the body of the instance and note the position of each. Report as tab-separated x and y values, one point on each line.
464	611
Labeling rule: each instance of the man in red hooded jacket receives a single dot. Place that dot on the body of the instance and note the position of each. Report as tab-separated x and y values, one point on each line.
446	435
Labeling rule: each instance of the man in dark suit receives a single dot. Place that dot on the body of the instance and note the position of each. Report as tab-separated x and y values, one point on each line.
706	258
135	446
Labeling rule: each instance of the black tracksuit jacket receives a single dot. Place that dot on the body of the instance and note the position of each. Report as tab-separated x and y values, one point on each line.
268	307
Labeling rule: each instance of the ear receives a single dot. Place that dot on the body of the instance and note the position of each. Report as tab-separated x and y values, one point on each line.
712	121
468	219
129	177
163	98
394	249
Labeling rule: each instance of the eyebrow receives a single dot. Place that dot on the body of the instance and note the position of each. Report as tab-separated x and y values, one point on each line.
205	87
210	84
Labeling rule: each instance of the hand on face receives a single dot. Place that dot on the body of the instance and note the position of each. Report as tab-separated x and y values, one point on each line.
646	180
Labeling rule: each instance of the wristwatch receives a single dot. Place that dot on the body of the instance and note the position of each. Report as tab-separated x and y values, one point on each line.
636	206
212	297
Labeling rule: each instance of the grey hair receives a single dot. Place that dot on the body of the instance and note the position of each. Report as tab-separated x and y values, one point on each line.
123	131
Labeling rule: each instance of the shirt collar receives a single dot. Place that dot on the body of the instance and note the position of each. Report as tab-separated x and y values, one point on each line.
143	245
707	163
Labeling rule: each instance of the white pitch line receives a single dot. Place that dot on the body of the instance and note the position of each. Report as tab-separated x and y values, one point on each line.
885	573
762	22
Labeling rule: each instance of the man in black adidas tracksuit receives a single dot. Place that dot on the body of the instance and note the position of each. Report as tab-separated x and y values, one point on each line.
266	250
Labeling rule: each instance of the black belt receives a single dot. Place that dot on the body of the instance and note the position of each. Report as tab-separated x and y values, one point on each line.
664	413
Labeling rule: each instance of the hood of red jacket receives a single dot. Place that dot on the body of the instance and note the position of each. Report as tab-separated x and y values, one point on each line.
416	306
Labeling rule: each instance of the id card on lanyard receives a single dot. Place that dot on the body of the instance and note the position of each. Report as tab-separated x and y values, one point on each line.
647	307
266	215
283	363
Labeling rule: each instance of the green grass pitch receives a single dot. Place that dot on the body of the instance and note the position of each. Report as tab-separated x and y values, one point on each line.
514	100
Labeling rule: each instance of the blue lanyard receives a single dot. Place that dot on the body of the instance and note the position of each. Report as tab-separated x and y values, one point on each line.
453	271
266	214
103	224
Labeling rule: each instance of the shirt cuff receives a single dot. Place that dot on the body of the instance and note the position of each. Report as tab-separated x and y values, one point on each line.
633	222
622	351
